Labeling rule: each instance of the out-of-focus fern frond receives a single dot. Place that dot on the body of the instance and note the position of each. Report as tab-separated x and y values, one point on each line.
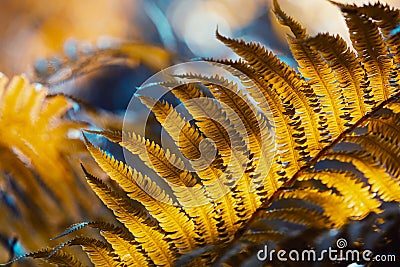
39	159
59	70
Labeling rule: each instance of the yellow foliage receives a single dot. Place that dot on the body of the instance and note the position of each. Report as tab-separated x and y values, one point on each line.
336	97
39	158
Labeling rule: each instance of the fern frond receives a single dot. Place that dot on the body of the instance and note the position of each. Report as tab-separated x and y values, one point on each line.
354	192
383	150
123	243
167	165
38	162
189	194
387	19
130	252
348	71
136	219
296	28
207	112
213	123
286	83
59	258
99	252
297	215
154	198
290	136
42	115
248	122
244	118
330	202
238	107
188	140
319	74
372	51
248	194
187	137
387	127
381	182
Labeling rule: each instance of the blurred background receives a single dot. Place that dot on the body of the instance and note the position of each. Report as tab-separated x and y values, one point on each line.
31	29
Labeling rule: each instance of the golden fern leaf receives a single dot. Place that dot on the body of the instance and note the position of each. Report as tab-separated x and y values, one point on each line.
16	168
339	203
250	125
372	51
387	19
348	63
240	108
387	127
99	252
159	204
187	137
297	215
213	123
319	74
348	71
240	112
184	185
381	182
166	164
245	118
123	242
386	152
30	119
354	192
129	252
137	221
206	112
188	140
59	258
327	200
290	136
286	83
